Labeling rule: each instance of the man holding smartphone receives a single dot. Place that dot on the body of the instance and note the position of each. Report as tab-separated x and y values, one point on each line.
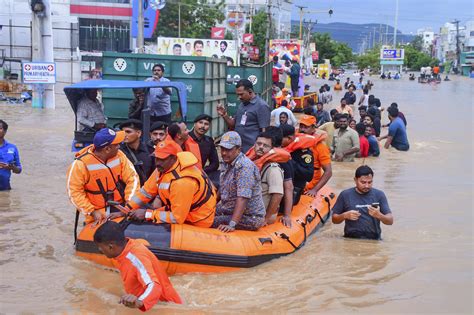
362	208
9	158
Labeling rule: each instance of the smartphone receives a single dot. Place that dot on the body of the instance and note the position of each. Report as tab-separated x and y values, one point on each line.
375	204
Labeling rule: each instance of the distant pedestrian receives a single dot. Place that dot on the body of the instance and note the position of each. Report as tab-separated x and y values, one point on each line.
9	158
295	76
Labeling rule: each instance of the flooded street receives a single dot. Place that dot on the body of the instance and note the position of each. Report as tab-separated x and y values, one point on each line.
423	265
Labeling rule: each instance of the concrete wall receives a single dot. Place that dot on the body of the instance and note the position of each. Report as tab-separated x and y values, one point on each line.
15	37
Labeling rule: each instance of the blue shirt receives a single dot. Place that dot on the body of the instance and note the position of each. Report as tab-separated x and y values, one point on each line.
398	132
373	146
158	100
8	154
366	226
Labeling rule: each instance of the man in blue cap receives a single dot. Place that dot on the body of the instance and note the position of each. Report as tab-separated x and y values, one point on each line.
241	205
101	173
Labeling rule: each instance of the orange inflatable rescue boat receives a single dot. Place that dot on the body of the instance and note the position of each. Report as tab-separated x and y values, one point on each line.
186	248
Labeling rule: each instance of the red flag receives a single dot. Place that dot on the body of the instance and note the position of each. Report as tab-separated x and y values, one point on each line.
217	32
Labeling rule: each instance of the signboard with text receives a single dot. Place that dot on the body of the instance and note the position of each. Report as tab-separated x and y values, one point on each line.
392	54
38	72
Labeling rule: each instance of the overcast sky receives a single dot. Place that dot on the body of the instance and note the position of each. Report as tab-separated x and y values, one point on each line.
412	14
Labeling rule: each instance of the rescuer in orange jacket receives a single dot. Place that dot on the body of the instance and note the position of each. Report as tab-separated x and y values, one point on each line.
179	133
144	278
99	173
186	193
321	155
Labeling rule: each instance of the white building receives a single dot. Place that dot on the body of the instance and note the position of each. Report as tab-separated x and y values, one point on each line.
427	36
468	43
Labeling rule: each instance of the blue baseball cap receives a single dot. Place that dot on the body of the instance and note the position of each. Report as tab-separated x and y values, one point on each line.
107	136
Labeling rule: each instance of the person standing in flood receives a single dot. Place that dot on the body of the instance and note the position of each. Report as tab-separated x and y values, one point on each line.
362	207
397	133
9	158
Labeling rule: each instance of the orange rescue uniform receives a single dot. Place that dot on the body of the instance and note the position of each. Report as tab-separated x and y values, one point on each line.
89	178
321	157
187	194
144	276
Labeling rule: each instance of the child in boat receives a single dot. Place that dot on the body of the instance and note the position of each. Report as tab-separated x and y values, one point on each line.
143	277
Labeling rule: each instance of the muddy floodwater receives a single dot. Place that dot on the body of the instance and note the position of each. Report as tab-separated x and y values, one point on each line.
423	265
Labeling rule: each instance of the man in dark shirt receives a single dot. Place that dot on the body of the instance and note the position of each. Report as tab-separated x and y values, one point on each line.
209	157
350	96
158	133
136	106
252	116
135	150
302	160
362	207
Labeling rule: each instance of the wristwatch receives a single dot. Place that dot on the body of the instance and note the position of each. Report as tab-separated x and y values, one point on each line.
149	215
232	224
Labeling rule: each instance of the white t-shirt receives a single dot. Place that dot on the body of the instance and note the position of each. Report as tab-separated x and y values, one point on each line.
275	116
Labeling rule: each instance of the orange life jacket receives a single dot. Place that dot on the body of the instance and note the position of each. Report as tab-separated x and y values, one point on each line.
91	182
198	211
191	146
302	141
275	155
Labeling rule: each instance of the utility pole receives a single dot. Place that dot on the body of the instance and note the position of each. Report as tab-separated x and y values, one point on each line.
396	24
458	49
179	19
301	20
269	26
373	39
43	51
141	24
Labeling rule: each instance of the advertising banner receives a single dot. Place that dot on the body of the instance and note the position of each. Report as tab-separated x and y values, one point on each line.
198	47
150	16
248	38
217	32
392	54
285	49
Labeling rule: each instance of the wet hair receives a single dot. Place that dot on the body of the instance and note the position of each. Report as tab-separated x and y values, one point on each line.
4	125
269	135
362	107
248	86
161	66
372	111
363	170
360	128
284	103
392	111
110	232
333	112
276	134
174	129
394	105
287	130
275	58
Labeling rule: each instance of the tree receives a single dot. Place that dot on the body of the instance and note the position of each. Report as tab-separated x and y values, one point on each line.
337	52
196	19
259	31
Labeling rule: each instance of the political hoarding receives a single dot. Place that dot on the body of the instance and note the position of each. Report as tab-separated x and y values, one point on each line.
285	49
198	47
150	16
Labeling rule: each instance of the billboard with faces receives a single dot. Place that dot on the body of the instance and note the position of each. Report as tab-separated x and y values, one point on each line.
217	48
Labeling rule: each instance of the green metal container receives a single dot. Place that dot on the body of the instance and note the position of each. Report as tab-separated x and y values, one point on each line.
261	78
204	78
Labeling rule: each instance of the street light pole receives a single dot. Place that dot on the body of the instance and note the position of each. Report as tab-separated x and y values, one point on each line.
141	25
396	25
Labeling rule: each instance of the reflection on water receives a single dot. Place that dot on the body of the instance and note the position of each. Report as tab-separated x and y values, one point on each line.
423	264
